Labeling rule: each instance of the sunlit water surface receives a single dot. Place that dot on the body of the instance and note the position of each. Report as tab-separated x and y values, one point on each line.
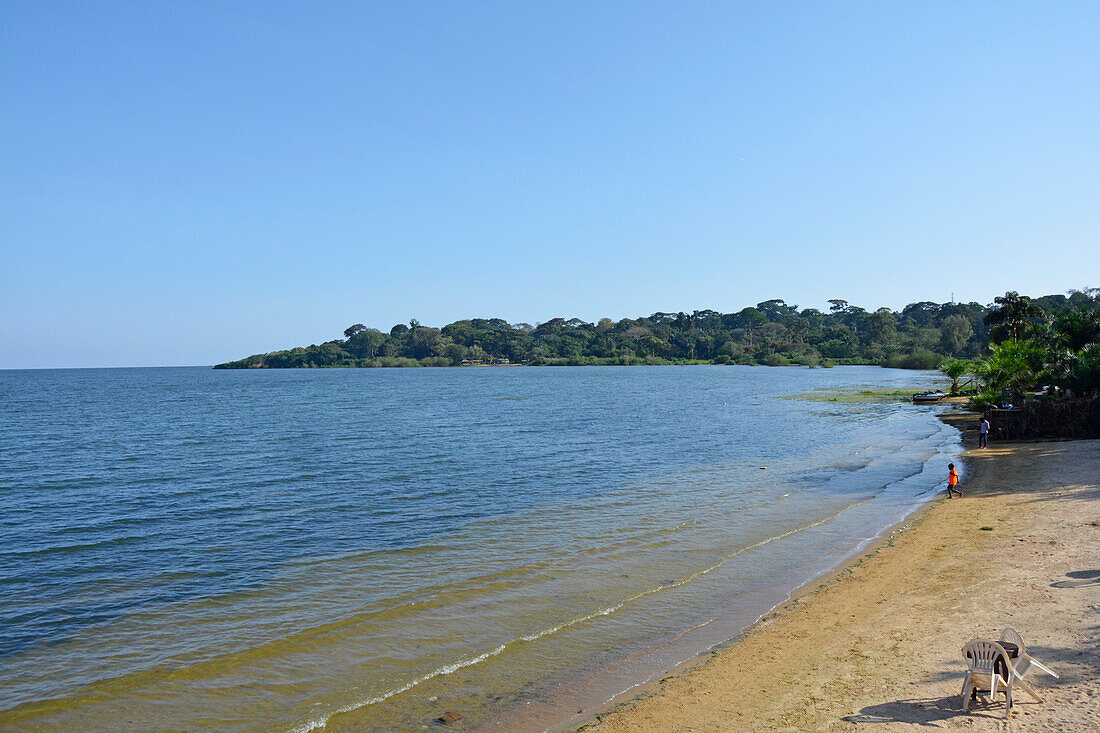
370	549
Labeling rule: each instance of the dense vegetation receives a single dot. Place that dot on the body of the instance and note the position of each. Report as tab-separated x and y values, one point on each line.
1033	348
920	336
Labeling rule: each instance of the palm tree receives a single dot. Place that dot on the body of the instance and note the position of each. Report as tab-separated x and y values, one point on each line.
1014	367
956	368
1011	316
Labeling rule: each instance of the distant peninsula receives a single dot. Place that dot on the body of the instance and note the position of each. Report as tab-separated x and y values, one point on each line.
773	333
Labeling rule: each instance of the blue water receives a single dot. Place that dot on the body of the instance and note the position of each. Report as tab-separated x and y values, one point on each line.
129	495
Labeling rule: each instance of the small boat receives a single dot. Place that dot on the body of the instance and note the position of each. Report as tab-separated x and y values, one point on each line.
934	395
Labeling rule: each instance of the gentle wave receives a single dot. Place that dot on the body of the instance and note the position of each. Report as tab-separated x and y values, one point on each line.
469	662
444	670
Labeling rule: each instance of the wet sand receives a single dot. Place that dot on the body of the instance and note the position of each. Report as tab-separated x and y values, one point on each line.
876	646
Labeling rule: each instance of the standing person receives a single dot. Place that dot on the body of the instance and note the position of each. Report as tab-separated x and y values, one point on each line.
952	481
983	434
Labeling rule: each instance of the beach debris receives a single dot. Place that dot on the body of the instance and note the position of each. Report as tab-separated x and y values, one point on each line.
449	717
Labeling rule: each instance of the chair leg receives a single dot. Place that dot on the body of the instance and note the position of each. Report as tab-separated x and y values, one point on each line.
1040	666
967	691
1008	700
1026	686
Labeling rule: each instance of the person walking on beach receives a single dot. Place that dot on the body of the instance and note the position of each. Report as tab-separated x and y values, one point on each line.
952	481
983	434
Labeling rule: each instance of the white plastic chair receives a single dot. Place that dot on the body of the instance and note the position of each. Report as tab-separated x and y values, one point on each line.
981	657
1024	663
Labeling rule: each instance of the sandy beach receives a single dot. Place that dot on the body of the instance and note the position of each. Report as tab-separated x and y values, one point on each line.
876	646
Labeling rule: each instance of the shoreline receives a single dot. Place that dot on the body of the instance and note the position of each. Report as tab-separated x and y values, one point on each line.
585	701
709	692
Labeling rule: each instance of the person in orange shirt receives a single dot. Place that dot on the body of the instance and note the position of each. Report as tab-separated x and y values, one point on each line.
952	480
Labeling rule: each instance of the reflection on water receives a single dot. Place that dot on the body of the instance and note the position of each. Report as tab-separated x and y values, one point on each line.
368	549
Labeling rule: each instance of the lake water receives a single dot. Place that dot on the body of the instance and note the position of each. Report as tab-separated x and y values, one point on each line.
184	548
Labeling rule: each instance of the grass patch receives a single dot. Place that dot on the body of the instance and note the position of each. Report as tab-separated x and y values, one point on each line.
858	395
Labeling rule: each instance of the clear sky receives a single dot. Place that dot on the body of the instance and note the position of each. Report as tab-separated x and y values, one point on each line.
193	182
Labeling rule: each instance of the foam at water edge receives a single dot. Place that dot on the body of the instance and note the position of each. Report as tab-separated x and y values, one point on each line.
444	670
455	666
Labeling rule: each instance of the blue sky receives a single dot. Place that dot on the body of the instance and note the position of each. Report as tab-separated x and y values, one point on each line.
187	183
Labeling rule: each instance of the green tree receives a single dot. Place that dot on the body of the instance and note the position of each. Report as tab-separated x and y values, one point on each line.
955	331
1011	316
956	369
881	329
776	309
455	352
922	313
1074	329
1081	372
365	344
425	342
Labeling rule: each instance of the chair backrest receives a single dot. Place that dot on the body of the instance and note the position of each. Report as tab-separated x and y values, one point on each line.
980	654
1010	635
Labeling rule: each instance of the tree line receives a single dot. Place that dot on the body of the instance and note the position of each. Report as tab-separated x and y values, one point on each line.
921	336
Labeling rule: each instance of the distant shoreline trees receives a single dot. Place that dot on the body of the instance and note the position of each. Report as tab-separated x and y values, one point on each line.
920	336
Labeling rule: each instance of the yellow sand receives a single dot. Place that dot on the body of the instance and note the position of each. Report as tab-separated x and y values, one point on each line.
877	646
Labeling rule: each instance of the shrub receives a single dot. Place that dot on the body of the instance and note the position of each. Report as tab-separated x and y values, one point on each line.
1083	370
1013	366
397	361
984	399
919	359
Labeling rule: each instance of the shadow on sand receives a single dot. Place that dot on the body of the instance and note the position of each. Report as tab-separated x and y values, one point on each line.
1079	579
932	710
1072	665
